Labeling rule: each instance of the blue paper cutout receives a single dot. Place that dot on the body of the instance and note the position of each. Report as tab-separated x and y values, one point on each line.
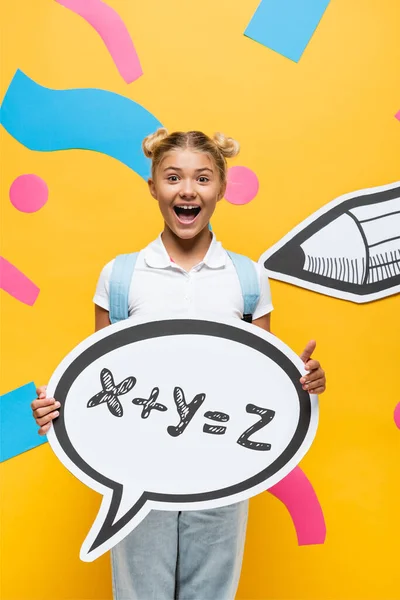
18	430
286	26
91	119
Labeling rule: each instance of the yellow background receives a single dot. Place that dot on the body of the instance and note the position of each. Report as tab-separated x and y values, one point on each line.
311	131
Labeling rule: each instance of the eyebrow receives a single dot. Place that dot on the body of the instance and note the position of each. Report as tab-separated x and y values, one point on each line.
196	171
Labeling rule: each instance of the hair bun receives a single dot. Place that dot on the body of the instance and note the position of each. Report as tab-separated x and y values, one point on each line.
226	145
153	140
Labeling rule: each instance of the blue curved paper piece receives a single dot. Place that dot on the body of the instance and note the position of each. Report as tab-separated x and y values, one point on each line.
18	430
286	26
46	120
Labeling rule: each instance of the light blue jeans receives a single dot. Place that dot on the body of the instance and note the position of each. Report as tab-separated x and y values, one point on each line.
194	555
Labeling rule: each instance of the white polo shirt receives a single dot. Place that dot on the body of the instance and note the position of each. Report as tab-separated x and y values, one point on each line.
159	287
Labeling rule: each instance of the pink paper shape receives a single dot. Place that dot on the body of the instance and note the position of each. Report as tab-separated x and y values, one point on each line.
17	284
397	115
299	497
112	30
397	415
28	193
242	185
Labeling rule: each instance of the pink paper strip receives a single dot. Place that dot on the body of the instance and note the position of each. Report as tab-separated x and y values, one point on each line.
299	497
112	30
17	284
397	115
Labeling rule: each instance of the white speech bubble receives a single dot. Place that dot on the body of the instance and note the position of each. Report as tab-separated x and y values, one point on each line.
179	414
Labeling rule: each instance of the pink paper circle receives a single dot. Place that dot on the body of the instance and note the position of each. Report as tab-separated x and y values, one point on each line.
242	185
28	193
397	415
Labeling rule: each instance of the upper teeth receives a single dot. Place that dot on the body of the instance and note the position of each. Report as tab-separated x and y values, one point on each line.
187	207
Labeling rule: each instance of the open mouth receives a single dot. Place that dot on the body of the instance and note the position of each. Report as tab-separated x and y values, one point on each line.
187	213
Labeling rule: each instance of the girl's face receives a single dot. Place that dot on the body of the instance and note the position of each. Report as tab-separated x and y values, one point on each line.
187	187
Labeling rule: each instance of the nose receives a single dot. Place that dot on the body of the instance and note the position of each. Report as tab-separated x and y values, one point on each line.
187	189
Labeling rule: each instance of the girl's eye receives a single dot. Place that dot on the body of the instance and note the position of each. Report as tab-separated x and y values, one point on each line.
173	178
203	179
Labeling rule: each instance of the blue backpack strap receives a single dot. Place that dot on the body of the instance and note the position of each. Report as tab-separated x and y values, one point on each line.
249	283
120	282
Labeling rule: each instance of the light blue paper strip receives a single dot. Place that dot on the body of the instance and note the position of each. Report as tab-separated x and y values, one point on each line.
18	430
286	26
46	120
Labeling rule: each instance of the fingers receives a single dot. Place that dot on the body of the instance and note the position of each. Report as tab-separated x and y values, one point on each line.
312	365
41	391
43	430
313	385
313	376
314	382
42	402
308	350
47	418
318	391
46	410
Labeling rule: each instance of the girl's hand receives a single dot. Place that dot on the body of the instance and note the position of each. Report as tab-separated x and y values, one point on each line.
314	382
44	410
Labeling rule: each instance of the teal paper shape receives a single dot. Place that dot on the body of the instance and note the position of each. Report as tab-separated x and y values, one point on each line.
286	26
18	429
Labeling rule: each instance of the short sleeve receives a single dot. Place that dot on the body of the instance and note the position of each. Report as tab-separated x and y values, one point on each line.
264	305
101	296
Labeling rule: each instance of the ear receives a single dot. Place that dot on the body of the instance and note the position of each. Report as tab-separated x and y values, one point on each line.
222	192
152	188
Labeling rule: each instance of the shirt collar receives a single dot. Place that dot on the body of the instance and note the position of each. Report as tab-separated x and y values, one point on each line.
157	257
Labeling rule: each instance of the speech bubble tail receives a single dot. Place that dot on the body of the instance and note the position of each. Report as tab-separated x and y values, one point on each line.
120	512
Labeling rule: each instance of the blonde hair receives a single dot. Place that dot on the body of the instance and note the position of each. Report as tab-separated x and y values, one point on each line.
219	147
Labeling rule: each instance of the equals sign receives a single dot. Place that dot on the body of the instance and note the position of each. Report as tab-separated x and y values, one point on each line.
220	417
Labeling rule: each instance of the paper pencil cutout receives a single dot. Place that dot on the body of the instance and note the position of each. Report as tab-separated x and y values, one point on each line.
349	249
